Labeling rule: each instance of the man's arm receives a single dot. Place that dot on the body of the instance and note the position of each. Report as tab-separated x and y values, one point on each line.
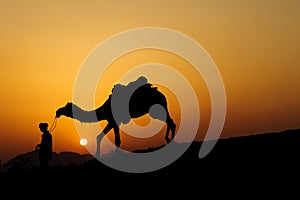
37	146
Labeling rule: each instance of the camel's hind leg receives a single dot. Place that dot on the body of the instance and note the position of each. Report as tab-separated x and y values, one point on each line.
171	126
156	113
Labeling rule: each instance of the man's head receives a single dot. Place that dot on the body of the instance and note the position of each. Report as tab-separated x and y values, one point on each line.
43	126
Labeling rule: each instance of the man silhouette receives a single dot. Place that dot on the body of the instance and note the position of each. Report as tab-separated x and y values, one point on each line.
45	147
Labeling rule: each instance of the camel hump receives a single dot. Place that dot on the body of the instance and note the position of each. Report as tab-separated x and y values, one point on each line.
138	82
121	95
132	86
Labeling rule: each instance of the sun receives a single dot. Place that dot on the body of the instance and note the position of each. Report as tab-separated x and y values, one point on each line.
83	141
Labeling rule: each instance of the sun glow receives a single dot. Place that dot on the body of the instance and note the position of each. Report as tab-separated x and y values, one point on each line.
83	141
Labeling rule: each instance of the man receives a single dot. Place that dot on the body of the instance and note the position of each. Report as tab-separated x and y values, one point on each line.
45	147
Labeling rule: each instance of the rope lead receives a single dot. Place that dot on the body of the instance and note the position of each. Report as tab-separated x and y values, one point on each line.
53	125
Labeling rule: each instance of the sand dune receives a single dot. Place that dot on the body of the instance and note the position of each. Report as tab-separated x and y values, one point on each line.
257	153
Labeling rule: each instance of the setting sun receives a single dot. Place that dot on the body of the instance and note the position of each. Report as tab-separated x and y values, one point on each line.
83	141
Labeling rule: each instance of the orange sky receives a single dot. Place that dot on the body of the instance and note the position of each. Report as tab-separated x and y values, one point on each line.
255	45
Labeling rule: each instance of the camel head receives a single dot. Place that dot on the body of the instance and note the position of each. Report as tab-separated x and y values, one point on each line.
66	110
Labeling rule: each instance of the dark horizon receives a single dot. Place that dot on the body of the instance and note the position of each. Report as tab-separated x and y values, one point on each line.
7	158
266	139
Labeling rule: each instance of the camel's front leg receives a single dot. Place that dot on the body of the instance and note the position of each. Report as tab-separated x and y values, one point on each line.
100	137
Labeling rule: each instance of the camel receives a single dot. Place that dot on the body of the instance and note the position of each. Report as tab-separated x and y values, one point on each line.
138	95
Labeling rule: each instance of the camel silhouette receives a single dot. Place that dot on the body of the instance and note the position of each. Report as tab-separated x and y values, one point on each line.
126	102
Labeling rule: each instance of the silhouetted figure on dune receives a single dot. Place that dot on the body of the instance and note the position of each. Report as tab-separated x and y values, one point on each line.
45	147
125	102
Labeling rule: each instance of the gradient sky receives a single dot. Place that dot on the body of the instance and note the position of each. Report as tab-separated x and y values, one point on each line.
255	45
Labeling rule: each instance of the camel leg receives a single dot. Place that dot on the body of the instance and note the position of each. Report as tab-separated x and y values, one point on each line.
100	137
117	136
170	126
173	129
